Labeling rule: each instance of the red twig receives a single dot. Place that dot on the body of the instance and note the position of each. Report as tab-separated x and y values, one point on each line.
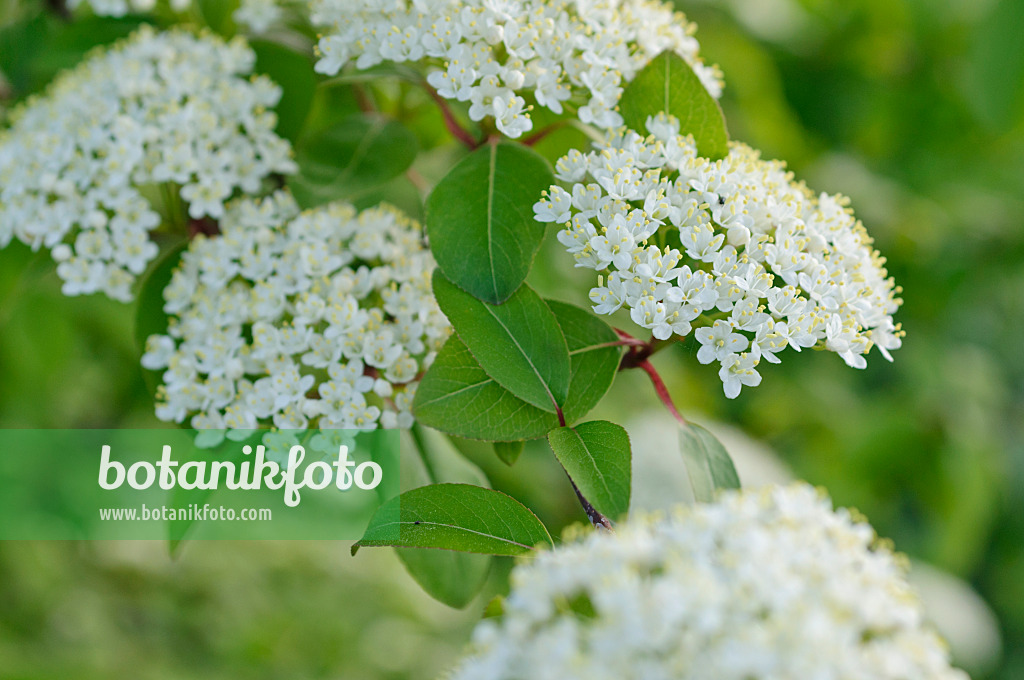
206	226
541	134
459	132
661	390
363	100
632	342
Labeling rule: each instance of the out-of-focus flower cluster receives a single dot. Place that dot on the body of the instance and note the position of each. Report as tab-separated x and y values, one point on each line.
80	164
490	54
761	584
323	318
119	8
735	247
259	16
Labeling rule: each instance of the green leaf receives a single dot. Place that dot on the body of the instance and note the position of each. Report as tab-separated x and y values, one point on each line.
218	15
293	72
597	457
435	460
150	318
35	49
480	219
494	608
228	451
458	397
351	158
994	67
509	452
594	363
456	517
708	464
453	578
518	343
668	84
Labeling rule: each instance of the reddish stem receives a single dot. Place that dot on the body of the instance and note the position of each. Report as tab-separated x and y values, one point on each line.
661	390
459	132
632	342
206	226
541	134
363	100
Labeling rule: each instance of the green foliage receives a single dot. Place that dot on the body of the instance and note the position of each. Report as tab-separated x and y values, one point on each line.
350	159
518	343
228	451
594	362
150	318
509	452
669	85
293	71
453	578
448	576
708	465
217	15
36	48
456	517
997	66
480	219
458	397
596	455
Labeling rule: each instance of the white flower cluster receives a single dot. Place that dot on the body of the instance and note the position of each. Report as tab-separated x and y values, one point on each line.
321	318
490	53
734	247
79	164
259	16
119	8
759	585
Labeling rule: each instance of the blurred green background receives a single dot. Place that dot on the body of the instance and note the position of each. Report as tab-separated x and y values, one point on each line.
914	108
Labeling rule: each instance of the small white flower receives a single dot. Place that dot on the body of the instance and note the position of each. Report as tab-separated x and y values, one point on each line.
739	370
719	342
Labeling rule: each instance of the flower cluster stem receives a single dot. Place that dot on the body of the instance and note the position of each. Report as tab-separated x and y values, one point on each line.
460	133
661	390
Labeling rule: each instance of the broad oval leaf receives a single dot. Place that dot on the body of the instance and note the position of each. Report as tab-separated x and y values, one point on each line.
480	219
509	452
456	396
668	84
708	464
518	343
596	455
453	578
458	517
594	360
351	158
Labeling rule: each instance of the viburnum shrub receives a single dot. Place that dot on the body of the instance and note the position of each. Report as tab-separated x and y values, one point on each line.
335	223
